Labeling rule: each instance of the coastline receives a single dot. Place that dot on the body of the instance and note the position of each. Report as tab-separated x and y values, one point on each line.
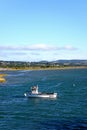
3	80
39	68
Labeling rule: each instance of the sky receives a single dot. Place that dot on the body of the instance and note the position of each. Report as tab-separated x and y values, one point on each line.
36	30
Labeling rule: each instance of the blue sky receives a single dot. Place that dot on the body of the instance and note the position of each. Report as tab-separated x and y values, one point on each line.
35	30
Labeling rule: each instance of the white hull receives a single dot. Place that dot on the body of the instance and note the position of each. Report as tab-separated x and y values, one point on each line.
35	94
41	95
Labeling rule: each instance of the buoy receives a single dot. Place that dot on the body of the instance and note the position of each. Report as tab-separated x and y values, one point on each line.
73	84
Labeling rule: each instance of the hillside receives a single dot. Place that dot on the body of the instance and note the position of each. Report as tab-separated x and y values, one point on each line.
42	64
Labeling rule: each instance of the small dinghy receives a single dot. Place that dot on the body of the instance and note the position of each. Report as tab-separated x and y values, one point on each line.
35	94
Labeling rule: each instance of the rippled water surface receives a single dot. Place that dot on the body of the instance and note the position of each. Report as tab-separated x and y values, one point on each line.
68	111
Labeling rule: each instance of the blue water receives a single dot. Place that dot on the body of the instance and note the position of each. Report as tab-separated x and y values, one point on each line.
68	111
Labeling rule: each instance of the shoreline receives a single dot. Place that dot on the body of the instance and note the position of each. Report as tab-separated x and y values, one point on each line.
2	75
38	68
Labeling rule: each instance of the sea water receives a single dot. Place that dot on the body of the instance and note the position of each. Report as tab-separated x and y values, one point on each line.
67	111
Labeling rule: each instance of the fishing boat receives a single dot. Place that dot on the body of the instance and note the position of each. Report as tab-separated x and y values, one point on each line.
35	94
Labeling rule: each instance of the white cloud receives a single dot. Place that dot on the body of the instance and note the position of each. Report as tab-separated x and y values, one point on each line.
69	47
36	52
36	47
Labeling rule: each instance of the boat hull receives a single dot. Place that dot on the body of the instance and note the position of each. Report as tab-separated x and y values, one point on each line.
42	95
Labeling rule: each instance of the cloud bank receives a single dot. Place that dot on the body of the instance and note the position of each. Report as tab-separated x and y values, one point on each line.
36	52
36	47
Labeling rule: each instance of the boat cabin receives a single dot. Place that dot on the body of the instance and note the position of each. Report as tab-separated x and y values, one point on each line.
34	90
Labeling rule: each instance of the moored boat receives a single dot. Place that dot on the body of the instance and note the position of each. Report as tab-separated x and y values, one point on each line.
35	94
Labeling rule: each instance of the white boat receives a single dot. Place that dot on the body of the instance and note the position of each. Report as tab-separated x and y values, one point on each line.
35	94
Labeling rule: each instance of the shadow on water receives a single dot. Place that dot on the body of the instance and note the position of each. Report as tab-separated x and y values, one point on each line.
40	100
